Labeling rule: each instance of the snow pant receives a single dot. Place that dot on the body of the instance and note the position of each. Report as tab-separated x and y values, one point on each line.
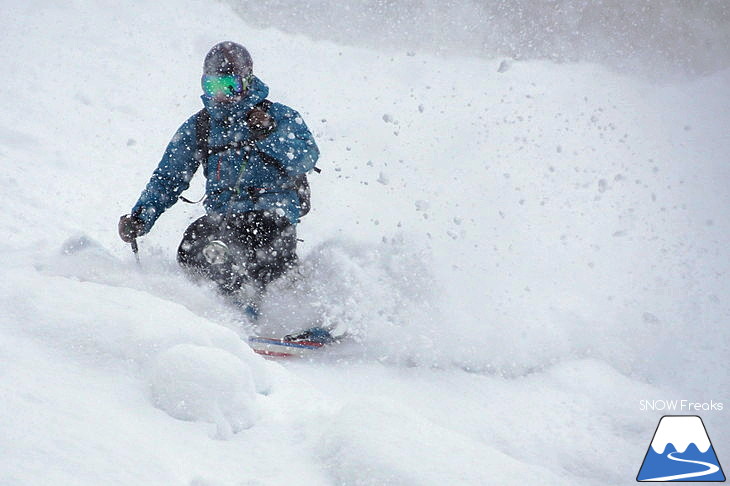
255	247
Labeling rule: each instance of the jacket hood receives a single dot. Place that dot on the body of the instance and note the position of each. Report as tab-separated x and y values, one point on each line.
255	93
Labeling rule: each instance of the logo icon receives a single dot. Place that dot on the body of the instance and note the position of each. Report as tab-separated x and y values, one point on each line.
680	451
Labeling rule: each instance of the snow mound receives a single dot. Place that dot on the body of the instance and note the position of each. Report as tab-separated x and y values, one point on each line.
200	383
82	303
376	442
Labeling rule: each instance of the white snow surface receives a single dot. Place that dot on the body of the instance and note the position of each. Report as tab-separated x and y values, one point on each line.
517	257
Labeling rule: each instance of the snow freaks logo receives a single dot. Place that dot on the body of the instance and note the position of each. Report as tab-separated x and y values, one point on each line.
681	451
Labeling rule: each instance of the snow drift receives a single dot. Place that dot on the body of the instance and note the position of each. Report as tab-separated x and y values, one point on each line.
520	252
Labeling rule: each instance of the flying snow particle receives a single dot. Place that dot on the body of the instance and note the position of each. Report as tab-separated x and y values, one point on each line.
504	66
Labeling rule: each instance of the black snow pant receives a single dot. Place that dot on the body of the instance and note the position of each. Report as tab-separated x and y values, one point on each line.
255	247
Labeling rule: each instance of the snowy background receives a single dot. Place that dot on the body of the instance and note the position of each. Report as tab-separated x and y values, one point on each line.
524	238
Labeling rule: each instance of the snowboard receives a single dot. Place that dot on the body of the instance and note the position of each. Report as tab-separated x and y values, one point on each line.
280	348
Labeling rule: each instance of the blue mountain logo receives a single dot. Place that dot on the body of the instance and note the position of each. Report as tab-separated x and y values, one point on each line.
681	451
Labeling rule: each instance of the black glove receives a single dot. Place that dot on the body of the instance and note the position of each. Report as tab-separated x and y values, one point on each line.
260	123
130	227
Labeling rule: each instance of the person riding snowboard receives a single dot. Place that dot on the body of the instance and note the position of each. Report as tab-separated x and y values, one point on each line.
255	154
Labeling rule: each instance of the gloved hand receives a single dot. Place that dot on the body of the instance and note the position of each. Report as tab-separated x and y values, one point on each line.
260	123
130	227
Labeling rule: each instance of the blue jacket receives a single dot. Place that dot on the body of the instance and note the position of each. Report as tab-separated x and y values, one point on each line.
291	143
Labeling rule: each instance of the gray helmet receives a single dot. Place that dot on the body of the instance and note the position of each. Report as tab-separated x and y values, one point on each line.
228	58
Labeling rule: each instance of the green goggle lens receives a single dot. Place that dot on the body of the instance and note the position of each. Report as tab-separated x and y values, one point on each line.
228	85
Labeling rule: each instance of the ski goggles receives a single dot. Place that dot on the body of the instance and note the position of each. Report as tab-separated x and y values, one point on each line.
224	85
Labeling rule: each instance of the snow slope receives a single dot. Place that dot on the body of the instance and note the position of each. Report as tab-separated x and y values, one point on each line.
520	257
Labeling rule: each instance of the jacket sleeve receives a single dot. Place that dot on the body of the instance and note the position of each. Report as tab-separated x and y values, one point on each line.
171	177
291	143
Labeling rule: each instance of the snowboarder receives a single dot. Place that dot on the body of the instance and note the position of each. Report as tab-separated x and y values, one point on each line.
255	154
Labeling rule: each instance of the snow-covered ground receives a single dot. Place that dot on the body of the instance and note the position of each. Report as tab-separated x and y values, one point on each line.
520	257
